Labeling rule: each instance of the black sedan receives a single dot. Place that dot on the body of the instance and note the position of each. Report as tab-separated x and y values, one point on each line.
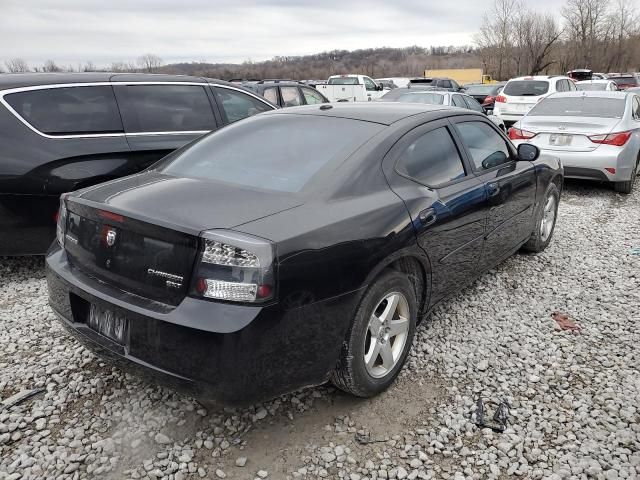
297	246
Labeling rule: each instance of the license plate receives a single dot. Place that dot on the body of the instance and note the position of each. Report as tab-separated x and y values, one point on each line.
108	323
559	140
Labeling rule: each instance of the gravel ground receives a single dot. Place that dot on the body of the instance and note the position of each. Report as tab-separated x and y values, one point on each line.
574	398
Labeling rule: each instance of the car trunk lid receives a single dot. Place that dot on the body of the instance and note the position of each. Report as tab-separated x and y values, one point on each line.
569	134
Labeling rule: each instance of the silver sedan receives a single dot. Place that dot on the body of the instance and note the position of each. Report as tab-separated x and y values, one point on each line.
596	135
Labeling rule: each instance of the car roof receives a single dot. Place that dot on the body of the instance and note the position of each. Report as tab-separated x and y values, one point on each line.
384	113
20	80
597	80
538	77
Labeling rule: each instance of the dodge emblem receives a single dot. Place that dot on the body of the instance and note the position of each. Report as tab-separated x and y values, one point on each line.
110	237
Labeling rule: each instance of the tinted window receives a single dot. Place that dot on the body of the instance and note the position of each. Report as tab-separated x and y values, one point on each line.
472	103
311	96
458	101
605	107
486	147
253	153
424	97
528	88
68	111
164	108
343	81
237	105
432	159
271	94
290	96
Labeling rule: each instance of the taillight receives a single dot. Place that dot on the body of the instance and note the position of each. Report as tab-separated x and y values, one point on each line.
518	134
235	267
616	139
501	99
489	99
61	220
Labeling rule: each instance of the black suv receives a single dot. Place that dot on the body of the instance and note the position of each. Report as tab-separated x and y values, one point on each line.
287	93
62	132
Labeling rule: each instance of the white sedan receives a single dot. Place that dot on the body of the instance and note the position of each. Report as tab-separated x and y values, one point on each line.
597	85
452	99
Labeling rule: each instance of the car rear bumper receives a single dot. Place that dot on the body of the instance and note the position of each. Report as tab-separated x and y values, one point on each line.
593	165
232	354
27	223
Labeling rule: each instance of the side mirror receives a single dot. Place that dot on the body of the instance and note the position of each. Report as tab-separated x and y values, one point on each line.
379	88
528	152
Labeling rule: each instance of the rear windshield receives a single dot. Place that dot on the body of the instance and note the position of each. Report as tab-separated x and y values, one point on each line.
344	81
526	88
421	80
580	107
274	152
480	89
625	80
423	97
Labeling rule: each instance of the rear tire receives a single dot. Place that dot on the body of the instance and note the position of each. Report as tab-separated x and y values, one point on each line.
545	222
380	338
627	187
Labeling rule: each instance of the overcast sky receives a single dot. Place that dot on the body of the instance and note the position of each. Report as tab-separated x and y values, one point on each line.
72	31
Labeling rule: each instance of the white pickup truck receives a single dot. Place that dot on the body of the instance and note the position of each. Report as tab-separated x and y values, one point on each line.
351	88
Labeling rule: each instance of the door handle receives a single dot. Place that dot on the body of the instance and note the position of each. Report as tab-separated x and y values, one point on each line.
427	217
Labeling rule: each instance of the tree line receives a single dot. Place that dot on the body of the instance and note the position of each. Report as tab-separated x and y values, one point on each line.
513	40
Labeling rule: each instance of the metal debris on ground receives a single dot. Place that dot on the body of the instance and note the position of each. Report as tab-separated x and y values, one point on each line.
19	398
500	418
365	439
565	322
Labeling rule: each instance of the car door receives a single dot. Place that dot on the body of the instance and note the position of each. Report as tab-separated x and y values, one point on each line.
160	118
371	89
445	200
312	96
510	187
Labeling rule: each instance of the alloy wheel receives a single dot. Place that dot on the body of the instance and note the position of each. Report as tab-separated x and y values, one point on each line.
386	334
548	218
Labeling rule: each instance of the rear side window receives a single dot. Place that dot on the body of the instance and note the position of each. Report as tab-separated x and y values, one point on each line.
311	96
472	103
290	96
605	107
237	105
164	108
271	94
69	110
432	159
458	101
526	88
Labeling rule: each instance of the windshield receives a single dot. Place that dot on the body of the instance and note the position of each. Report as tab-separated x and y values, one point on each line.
480	89
343	81
526	88
592	86
423	97
603	107
274	152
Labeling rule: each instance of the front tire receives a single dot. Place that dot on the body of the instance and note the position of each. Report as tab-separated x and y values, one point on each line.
545	222
380	338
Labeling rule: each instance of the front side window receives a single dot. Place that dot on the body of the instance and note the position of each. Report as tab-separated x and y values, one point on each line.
287	153
369	84
164	108
486	147
69	110
271	94
473	104
458	101
311	96
445	84
237	105
290	96
432	159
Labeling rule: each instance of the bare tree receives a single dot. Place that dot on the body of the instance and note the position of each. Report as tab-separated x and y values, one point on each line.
50	66
150	62
541	33
16	65
585	22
